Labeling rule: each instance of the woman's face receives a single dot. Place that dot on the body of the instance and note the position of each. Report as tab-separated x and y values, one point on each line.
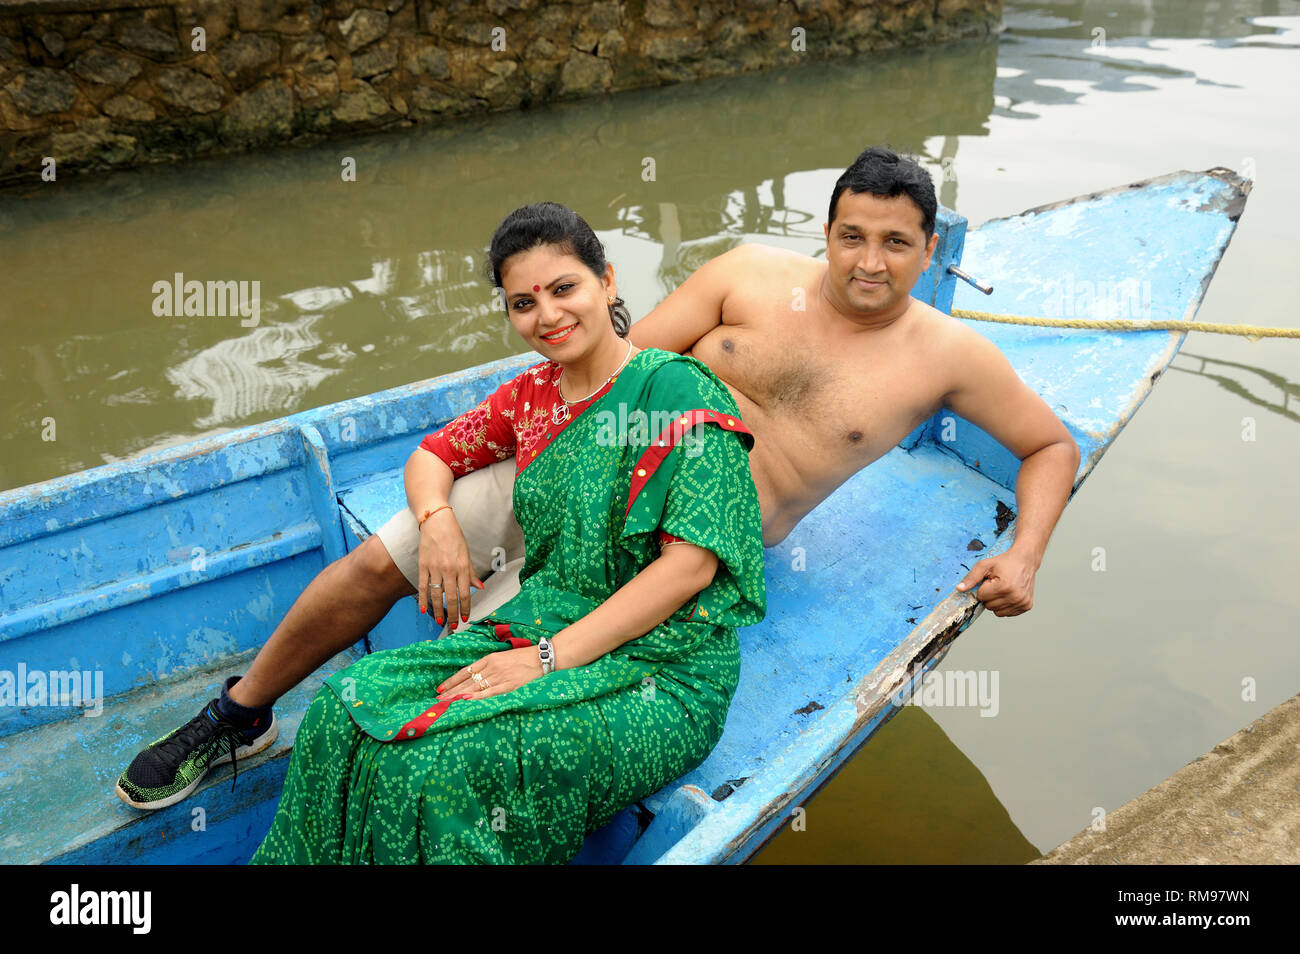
556	304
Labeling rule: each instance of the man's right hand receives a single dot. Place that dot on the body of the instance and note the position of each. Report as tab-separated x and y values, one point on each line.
445	573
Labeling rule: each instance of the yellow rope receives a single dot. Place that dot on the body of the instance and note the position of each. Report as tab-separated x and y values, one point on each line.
1249	331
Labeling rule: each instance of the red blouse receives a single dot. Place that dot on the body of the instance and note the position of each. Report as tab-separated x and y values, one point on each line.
515	419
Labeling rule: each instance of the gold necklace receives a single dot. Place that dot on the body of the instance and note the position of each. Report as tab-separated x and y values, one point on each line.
560	413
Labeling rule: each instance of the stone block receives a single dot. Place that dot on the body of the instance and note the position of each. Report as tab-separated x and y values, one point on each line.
584	73
186	89
93	142
378	58
106	66
671	49
129	109
425	58
363	27
139	35
39	90
305	49
317	83
361	104
246	58
263	114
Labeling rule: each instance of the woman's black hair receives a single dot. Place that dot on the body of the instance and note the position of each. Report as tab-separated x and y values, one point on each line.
549	223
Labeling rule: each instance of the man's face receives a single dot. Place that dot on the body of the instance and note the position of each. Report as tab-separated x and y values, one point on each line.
875	252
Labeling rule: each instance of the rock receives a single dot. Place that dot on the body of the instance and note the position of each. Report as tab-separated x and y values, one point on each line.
672	49
262	114
428	100
317	83
430	61
138	35
603	16
584	73
307	49
187	89
301	23
363	27
360	105
129	108
585	39
502	7
379	58
244	59
53	42
662	13
480	34
265	14
540	49
611	45
39	91
104	66
93	142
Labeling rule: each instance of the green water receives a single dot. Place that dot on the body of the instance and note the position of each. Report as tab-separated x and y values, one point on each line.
1111	683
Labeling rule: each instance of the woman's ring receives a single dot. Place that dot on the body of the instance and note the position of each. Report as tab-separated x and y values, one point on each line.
435	586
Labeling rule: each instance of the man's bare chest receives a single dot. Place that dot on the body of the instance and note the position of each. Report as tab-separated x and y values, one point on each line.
845	403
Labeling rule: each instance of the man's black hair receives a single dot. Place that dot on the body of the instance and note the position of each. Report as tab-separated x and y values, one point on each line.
885	173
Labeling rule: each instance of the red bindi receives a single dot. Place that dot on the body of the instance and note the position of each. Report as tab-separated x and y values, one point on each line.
537	288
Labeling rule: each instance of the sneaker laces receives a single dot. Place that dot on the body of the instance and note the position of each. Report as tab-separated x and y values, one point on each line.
194	734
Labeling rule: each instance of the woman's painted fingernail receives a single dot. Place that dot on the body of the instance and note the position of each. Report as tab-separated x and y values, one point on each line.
465	618
480	583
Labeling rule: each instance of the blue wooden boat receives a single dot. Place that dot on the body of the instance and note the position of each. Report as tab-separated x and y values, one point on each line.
134	588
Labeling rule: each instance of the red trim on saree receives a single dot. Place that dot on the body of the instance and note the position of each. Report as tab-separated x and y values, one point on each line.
502	631
662	445
420	724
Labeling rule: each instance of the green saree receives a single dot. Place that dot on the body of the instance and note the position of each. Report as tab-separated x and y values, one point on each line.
380	773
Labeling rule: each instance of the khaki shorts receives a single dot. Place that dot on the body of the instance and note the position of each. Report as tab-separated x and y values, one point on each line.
482	502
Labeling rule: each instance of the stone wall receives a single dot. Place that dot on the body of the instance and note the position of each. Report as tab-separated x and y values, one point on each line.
101	83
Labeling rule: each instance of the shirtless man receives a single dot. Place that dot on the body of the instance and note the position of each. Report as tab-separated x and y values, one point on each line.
825	388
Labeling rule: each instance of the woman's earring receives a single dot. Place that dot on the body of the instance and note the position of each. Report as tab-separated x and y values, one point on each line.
611	299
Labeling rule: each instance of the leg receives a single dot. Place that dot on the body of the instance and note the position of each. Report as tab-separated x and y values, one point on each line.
351	595
338	607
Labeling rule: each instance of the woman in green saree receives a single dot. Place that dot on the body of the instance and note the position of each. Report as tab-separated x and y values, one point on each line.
610	673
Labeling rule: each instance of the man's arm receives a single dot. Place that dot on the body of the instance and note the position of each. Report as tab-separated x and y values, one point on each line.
988	393
694	308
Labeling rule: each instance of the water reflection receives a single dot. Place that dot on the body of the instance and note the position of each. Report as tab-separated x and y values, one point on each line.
1054	54
1172	19
1188	364
909	797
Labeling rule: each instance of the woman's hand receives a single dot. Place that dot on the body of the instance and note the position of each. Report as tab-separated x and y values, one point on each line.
502	671
445	571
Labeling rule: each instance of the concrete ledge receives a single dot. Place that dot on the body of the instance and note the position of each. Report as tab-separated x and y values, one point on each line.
1237	804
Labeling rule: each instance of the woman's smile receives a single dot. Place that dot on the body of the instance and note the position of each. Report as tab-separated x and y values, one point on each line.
559	335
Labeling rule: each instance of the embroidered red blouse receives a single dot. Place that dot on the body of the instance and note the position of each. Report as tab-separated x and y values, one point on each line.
515	419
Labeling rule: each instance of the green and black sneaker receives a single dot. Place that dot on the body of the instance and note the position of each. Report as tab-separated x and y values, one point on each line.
171	768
